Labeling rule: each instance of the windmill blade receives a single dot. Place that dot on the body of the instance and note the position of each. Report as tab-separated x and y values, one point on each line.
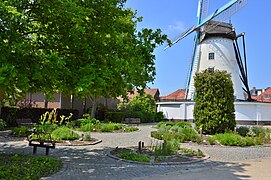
225	11
203	10
181	36
225	15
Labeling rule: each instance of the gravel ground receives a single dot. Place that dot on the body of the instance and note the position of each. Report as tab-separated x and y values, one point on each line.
92	162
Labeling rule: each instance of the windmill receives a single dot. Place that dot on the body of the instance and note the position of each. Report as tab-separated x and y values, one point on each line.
216	47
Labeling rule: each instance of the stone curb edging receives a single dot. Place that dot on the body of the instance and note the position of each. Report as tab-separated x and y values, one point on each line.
163	163
85	144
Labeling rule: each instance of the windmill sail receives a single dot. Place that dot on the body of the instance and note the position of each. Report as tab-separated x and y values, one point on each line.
224	12
203	12
225	15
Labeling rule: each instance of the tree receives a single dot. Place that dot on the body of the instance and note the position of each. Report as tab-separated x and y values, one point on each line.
87	47
214	102
143	103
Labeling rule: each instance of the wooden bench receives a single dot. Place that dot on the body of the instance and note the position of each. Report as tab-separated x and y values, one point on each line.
40	142
132	121
24	122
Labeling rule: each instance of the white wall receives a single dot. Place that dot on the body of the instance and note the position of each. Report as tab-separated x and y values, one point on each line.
244	111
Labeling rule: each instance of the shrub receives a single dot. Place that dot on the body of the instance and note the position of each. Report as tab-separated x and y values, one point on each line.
64	133
230	139
15	166
159	116
166	124
180	132
130	129
87	127
183	124
21	131
243	131
116	117
92	121
45	128
2	124
110	127
214	102
258	131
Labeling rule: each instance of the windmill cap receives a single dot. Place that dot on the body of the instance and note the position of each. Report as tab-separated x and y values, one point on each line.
217	29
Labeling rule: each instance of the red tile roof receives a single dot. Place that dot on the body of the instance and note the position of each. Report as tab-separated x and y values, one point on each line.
264	97
175	96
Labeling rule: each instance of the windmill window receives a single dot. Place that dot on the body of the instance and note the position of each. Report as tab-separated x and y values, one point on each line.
211	69
211	56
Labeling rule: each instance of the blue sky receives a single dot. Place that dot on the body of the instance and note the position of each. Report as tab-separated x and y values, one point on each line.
174	16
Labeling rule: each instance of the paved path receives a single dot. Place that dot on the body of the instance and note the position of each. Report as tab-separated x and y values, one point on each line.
92	162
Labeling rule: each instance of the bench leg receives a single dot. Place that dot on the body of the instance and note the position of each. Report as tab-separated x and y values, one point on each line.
47	151
34	149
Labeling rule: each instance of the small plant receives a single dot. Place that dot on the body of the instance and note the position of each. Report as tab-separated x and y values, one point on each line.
86	137
200	153
134	156
21	131
2	124
64	133
166	148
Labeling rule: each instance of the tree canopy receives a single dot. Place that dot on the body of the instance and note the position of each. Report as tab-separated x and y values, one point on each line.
82	47
214	102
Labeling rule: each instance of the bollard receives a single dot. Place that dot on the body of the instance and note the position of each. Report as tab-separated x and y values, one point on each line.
164	147
139	147
200	132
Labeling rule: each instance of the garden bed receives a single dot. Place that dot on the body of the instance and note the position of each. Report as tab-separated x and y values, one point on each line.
131	155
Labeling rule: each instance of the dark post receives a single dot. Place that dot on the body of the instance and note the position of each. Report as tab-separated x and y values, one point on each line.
139	146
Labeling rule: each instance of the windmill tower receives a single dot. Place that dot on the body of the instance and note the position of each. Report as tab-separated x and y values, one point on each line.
214	47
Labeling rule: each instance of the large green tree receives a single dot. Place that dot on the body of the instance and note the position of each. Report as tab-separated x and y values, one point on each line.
84	47
214	102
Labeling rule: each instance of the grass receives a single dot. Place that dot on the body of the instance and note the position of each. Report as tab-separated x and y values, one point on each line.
15	166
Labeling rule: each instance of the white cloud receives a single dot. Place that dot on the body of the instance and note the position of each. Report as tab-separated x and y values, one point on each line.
177	27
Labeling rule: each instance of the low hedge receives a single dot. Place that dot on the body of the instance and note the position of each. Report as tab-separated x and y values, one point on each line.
10	114
115	117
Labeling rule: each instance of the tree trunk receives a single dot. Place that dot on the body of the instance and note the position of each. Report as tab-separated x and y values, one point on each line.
93	100
1	101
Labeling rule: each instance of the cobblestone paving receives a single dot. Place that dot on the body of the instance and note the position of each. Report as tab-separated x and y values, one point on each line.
92	162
